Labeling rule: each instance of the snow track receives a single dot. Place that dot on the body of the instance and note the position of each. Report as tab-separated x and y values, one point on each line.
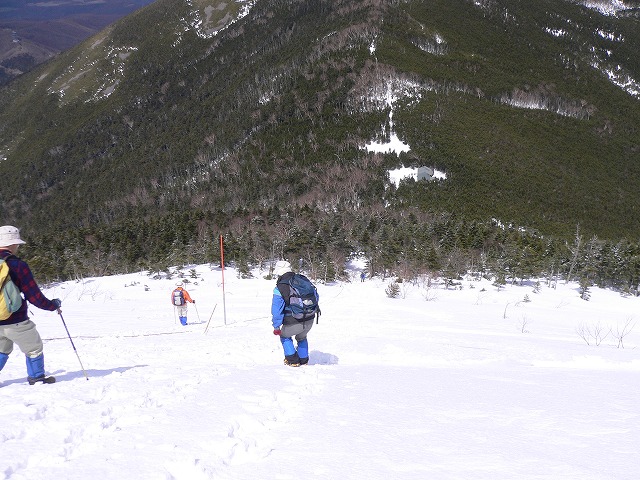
84	420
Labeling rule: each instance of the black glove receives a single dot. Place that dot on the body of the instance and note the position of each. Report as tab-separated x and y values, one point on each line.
194	302
57	303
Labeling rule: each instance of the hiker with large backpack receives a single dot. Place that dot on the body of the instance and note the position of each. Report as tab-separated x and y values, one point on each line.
180	298
17	280
293	309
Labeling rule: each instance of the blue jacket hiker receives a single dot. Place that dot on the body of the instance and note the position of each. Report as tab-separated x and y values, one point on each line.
17	328
282	316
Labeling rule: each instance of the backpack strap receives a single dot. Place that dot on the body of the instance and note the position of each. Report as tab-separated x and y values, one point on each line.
6	260
283	286
13	295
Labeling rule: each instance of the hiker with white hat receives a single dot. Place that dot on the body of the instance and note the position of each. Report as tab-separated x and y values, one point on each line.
294	306
180	299
17	281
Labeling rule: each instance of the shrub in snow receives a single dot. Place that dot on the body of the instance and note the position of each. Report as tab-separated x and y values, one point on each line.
393	290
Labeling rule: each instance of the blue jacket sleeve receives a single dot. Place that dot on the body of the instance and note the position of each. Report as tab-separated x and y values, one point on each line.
277	308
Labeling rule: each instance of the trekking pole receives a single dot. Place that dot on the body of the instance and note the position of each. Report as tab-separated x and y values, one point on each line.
74	347
209	321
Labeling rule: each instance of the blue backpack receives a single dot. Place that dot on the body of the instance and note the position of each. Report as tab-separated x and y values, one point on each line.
300	295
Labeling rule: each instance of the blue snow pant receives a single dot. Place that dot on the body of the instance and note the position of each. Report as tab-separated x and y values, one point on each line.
182	313
298	330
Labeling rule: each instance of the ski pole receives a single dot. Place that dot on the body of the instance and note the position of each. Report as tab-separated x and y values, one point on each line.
74	347
208	322
198	313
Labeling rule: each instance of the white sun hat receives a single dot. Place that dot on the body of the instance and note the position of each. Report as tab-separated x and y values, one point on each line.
281	267
10	235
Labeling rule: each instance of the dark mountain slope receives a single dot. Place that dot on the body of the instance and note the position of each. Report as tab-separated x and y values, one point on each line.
531	108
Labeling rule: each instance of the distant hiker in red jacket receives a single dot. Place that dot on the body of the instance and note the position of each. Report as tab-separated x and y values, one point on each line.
18	328
180	299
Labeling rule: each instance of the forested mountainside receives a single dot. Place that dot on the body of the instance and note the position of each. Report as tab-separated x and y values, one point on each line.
194	118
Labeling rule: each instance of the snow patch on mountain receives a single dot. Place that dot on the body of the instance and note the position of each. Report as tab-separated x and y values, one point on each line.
606	7
208	20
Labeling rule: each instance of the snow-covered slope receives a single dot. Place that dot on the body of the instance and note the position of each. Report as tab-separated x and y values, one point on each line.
471	383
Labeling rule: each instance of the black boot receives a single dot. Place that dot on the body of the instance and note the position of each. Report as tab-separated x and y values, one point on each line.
292	360
43	379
